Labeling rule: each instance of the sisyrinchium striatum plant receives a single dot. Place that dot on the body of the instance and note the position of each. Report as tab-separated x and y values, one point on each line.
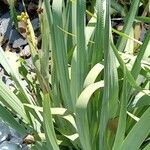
89	87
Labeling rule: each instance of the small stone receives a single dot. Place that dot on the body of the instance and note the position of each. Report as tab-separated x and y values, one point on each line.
25	52
9	146
15	137
19	42
4	131
29	139
35	23
25	147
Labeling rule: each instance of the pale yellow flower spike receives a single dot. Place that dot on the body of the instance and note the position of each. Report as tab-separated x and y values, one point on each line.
29	31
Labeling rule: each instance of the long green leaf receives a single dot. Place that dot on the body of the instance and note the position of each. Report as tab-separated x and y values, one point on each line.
79	60
122	117
48	124
137	134
147	147
13	12
15	75
110	79
130	78
62	112
45	54
93	74
137	65
9	99
128	24
81	114
98	45
60	54
8	117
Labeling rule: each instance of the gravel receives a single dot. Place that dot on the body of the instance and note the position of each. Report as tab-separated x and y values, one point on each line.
10	139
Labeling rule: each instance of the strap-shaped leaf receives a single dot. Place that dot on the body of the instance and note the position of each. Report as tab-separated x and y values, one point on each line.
60	54
137	65
8	117
128	24
122	117
138	133
62	112
93	74
81	114
10	100
79	60
48	124
147	147
15	75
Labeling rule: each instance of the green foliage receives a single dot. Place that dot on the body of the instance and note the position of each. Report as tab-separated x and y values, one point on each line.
85	91
13	12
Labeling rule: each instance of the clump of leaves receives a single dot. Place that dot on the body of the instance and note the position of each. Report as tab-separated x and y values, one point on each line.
95	100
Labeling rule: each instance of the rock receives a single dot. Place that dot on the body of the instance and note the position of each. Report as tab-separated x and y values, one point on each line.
4	131
9	146
9	32
5	24
10	139
15	137
25	52
35	23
